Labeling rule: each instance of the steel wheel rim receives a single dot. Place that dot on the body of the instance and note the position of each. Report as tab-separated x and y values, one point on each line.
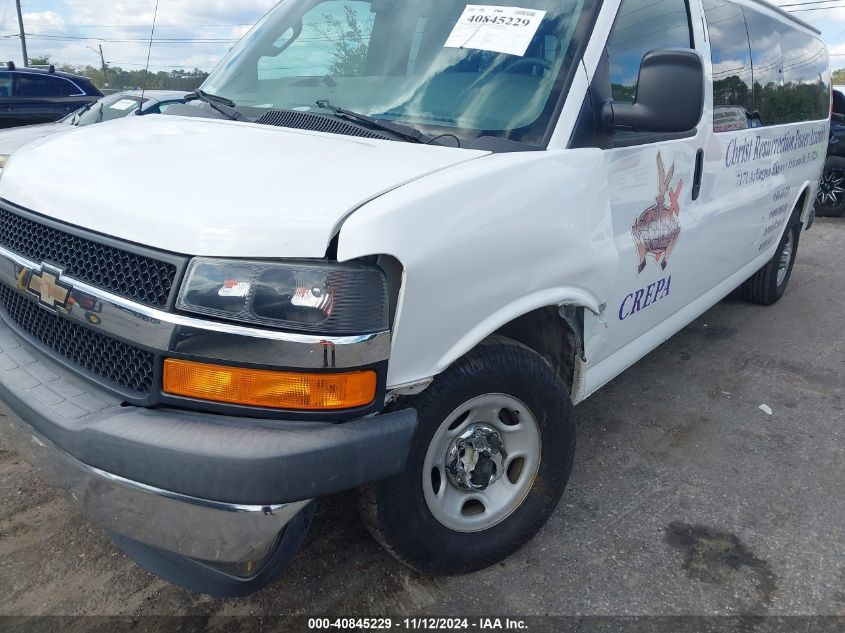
785	257
831	191
464	510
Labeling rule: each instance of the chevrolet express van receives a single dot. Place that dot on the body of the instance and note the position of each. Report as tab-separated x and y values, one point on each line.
400	242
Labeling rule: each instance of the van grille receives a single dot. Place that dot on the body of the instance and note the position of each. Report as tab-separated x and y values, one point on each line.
114	361
142	279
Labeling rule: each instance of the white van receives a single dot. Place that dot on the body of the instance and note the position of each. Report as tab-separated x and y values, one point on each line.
402	240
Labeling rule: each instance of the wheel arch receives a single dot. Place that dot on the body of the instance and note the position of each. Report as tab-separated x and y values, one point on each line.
805	201
557	334
549	323
554	329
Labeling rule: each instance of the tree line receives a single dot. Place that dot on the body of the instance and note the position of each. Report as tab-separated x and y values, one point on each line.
118	78
774	103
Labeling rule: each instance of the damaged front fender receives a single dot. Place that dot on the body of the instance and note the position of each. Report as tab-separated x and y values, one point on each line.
483	243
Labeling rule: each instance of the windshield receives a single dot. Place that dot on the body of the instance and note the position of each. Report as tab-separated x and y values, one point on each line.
440	65
114	106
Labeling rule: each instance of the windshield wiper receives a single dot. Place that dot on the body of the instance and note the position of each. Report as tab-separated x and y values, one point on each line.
78	114
405	131
215	101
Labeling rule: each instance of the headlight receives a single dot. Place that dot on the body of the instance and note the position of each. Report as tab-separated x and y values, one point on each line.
318	298
4	158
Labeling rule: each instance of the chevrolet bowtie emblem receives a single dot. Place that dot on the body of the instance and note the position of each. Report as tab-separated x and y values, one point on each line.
46	285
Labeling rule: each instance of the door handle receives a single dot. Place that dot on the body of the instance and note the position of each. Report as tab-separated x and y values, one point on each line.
699	168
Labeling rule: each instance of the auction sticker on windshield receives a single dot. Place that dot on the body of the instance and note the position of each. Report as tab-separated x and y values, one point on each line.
123	104
499	29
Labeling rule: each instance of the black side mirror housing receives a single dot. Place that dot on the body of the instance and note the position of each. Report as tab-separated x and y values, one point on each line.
670	95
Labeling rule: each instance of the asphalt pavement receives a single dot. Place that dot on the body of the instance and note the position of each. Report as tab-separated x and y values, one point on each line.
686	497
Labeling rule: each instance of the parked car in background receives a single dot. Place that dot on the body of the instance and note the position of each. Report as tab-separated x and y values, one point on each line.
830	199
41	95
114	106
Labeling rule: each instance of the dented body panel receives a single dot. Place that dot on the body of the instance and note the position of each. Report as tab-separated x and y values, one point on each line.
502	237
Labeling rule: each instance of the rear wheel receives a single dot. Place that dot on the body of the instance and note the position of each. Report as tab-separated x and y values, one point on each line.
830	199
769	283
491	457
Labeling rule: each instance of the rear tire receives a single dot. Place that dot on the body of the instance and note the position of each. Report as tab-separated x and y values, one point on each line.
499	414
769	283
830	199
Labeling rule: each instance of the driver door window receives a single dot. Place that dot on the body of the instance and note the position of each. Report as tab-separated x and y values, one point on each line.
643	26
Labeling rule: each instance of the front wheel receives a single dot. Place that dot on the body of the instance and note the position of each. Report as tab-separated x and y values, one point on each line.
490	459
769	283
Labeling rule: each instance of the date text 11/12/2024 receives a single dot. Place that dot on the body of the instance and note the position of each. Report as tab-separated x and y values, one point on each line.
419	624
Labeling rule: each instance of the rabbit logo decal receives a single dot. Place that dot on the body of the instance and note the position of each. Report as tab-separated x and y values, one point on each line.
657	229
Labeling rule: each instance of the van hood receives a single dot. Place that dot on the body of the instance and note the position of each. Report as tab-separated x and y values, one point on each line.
213	188
13	139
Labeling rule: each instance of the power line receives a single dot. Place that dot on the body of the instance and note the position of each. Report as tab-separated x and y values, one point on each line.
803	4
160	26
87	4
161	40
817	9
186	66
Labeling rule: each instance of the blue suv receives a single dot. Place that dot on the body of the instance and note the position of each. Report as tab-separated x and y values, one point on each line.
41	95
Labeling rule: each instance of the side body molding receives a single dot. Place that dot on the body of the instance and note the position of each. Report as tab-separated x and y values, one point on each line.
483	243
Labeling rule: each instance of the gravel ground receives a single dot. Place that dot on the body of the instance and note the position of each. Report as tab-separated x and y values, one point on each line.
685	499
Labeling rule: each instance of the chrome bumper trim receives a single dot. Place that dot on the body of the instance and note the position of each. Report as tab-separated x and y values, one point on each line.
161	331
205	530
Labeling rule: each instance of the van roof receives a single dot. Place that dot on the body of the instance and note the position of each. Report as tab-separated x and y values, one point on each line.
789	16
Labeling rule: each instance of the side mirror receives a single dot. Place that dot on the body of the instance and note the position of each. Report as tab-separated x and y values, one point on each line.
670	95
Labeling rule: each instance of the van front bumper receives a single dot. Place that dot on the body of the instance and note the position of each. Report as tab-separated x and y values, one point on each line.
207	501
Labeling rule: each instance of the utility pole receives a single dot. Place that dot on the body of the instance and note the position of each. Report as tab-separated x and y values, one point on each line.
23	35
105	73
103	61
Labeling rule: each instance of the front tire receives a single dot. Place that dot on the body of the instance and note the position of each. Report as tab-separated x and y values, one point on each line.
490	459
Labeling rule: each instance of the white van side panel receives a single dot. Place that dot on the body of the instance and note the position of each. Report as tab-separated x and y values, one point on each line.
606	370
769	221
460	235
742	248
763	184
728	234
485	243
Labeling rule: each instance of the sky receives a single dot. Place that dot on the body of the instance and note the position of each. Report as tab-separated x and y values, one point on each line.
190	33
197	33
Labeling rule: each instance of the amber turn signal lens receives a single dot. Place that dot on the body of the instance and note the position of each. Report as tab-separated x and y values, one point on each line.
272	389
